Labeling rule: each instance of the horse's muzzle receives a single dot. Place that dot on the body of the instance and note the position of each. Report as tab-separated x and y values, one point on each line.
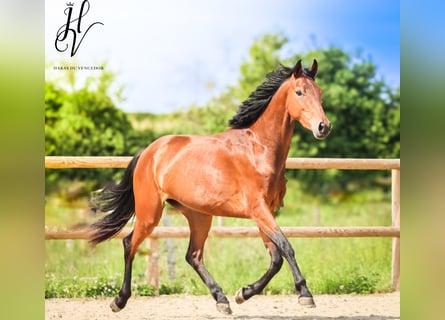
322	130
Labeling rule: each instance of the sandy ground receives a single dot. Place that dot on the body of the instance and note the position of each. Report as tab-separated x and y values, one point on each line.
348	307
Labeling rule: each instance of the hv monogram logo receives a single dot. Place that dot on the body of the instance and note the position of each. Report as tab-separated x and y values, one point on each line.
73	27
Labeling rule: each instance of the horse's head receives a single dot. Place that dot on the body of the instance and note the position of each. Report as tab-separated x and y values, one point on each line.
304	100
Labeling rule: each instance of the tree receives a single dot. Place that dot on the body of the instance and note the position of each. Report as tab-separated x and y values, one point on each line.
84	122
263	58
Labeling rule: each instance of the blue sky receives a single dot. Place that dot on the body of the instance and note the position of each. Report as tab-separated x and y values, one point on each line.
166	52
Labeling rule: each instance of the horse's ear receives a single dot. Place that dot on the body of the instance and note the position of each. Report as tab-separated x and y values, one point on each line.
297	70
314	68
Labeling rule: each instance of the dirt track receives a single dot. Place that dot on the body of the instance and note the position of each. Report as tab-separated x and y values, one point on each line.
348	307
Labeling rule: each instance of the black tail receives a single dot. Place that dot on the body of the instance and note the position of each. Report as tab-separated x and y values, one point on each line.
117	201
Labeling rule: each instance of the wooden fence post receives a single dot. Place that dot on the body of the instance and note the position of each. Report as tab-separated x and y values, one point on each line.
395	196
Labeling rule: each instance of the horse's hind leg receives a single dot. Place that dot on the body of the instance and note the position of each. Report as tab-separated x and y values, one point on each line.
276	262
148	215
199	228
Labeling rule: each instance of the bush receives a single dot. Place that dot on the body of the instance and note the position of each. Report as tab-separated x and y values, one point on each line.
355	283
76	288
175	288
99	287
145	290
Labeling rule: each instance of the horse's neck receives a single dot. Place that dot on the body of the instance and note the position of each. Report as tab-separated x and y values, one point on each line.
274	130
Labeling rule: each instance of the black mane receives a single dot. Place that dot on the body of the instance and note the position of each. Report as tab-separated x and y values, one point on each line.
252	108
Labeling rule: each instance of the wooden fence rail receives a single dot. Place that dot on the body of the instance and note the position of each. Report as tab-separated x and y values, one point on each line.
242	232
52	162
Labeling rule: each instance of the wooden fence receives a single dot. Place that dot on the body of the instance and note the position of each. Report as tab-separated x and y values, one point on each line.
308	232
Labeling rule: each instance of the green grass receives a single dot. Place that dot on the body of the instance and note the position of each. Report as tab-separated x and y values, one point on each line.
330	265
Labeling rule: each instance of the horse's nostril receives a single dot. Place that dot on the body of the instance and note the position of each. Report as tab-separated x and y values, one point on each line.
324	128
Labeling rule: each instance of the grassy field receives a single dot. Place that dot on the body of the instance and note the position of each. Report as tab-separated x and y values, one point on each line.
331	265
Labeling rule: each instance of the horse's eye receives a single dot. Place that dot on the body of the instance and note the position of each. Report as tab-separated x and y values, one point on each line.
299	93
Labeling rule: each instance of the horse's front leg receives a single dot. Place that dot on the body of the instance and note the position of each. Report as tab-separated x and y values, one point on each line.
276	262
305	299
267	224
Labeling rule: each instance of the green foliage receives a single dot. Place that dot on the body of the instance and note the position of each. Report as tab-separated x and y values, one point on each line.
353	283
145	290
263	58
86	121
76	288
56	287
175	288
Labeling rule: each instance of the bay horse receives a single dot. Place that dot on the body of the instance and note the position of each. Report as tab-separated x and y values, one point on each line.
236	173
